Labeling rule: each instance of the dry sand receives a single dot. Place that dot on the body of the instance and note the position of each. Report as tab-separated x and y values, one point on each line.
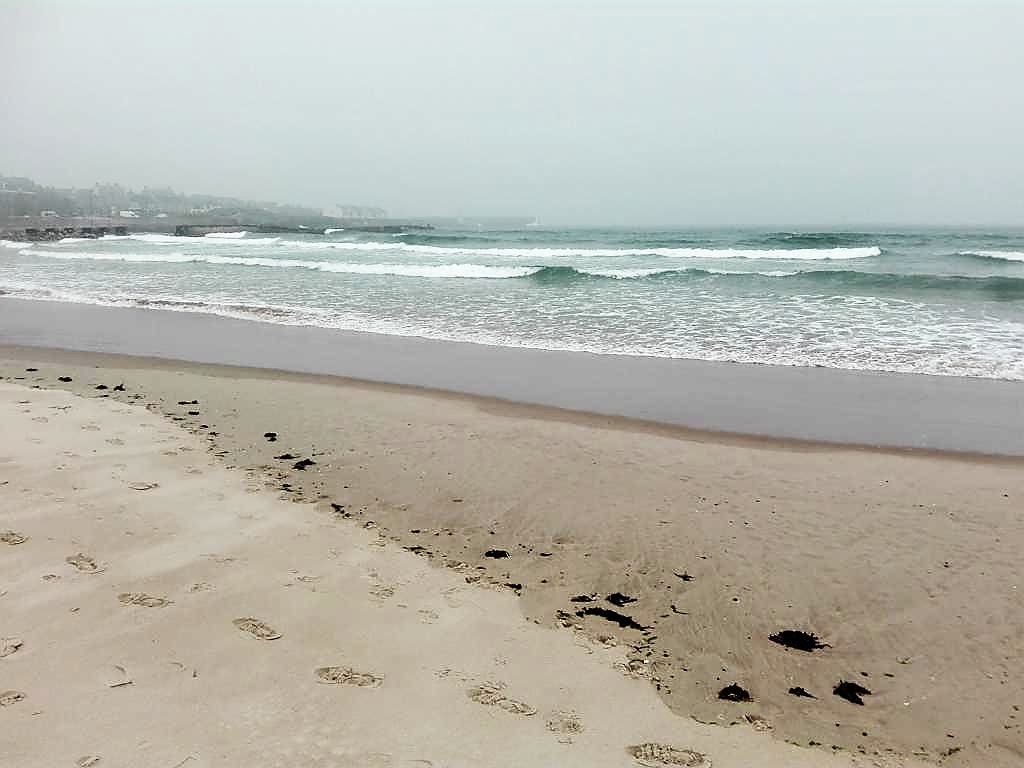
159	612
905	564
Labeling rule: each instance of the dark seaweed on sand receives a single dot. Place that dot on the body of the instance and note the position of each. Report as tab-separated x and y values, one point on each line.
852	692
627	622
618	599
798	691
734	693
799	640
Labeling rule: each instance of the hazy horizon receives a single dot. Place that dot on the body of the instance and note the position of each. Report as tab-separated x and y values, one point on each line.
688	114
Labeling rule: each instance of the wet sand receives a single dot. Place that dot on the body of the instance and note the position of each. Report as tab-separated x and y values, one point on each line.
817	404
687	551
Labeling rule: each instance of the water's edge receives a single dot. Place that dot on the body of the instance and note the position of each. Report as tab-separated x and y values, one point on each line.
817	404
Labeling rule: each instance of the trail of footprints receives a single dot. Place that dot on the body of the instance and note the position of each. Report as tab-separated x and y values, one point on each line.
565	724
489	693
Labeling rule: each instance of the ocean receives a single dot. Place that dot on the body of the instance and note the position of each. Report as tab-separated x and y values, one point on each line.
940	302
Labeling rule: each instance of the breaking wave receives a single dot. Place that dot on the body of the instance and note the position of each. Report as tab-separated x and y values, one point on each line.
997	287
1000	255
797	254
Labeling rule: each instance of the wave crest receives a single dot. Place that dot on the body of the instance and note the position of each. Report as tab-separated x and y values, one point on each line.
1000	255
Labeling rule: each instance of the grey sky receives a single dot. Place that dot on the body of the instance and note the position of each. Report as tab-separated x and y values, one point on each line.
760	113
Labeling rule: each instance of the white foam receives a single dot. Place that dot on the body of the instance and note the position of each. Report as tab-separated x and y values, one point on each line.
246	241
628	274
170	258
13	244
214	238
797	254
800	254
159	238
886	335
1002	255
404	270
439	270
770	273
332	230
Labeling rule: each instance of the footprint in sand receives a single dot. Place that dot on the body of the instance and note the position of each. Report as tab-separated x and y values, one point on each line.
88	761
382	591
258	629
200	586
115	441
144	600
11	697
567	724
347	676
491	695
657	755
91	427
636	669
12	538
143	486
84	563
9	645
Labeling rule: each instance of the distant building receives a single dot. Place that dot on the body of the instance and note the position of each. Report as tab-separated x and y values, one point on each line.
48	214
128	214
355	212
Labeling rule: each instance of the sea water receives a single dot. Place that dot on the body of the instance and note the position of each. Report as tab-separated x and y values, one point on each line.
941	302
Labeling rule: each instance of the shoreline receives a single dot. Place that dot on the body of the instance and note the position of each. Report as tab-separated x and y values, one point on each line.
589	507
728	400
541	413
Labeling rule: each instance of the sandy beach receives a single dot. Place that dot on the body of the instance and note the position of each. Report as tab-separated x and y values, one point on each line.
163	610
623	572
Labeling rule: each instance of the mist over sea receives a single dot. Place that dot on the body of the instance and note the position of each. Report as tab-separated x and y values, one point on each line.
936	302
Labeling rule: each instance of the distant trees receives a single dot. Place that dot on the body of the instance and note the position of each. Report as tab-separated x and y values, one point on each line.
20	196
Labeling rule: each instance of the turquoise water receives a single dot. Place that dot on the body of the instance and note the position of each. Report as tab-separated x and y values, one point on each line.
937	302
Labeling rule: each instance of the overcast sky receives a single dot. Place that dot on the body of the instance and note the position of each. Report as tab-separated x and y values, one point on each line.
686	113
